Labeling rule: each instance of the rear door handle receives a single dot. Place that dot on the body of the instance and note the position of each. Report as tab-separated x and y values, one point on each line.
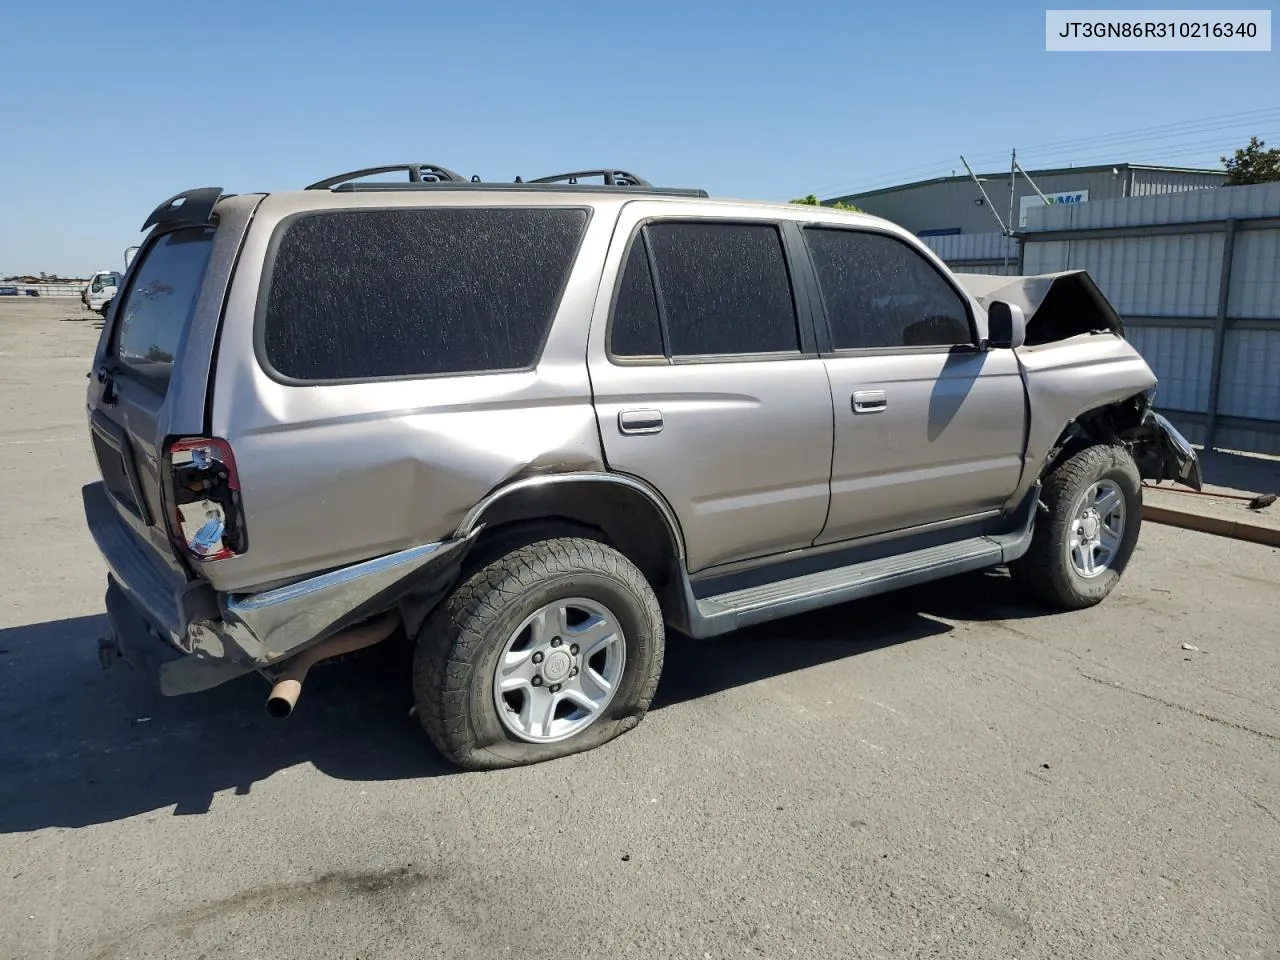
869	401
108	396
640	421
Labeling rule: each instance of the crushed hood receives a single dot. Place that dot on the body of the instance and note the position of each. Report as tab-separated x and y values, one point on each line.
1056	305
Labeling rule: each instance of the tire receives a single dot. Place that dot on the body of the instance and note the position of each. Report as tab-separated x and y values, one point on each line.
1051	571
459	648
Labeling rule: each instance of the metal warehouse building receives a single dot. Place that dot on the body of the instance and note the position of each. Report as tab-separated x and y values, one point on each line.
954	205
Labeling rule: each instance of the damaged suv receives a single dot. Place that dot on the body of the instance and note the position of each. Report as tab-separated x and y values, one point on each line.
532	425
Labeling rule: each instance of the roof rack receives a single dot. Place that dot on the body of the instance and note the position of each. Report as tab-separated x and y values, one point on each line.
418	173
436	177
612	178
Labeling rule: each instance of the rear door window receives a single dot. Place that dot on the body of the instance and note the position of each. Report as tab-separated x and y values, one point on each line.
374	294
724	288
159	304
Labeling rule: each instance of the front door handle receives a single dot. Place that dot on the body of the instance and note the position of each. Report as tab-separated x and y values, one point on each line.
640	421
869	401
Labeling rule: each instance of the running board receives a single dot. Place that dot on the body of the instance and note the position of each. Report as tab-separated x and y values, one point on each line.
726	612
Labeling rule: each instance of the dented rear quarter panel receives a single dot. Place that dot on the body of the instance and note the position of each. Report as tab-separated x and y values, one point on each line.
1069	377
337	473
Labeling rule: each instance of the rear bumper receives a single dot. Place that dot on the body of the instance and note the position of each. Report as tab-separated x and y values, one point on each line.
255	630
137	639
168	601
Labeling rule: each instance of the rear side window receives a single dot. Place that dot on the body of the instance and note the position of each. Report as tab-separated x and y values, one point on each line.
161	298
878	292
636	330
724	288
366	294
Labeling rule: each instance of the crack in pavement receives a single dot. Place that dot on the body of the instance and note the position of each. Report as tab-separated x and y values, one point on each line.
1116	685
1265	809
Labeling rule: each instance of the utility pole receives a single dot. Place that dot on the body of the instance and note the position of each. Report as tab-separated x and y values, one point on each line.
1013	168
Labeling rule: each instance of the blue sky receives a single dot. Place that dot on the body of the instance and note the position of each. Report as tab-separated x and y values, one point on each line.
112	107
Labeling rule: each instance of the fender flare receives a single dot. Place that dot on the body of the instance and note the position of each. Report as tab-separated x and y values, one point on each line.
474	518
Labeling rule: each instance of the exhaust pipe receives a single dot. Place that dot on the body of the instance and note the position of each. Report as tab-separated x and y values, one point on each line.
288	686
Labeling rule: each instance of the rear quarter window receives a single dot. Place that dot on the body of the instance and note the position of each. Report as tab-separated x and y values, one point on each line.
374	294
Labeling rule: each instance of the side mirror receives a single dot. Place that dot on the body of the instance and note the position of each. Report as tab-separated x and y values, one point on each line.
1006	326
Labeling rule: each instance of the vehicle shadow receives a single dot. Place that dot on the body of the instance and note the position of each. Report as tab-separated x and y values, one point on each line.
699	668
959	374
87	318
696	668
80	745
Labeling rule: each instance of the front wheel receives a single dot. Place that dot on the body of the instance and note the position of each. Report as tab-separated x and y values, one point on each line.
550	650
1083	542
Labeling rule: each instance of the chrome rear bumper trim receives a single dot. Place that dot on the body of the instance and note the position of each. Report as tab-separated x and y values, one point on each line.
274	624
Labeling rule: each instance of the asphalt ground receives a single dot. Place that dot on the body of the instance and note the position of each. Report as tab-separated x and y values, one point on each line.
945	772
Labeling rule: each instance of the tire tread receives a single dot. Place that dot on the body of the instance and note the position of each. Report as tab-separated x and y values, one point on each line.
454	636
1043	572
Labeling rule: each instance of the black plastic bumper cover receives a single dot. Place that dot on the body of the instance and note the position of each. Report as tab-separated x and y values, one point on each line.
1162	453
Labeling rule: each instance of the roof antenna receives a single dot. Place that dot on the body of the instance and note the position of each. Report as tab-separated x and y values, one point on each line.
519	179
475	178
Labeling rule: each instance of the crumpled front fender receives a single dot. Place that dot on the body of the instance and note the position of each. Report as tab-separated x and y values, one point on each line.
1162	453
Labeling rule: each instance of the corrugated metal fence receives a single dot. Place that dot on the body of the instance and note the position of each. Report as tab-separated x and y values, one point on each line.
1196	276
991	253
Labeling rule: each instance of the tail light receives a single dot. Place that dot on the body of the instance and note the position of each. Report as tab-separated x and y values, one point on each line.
206	518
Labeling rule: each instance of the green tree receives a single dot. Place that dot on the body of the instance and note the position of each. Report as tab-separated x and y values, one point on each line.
812	201
1253	164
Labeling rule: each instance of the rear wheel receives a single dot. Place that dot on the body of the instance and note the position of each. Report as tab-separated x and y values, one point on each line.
548	650
1083	543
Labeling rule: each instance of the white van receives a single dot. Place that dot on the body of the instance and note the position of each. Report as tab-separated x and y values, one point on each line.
100	291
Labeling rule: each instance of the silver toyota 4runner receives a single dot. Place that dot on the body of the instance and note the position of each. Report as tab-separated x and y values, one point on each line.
531	425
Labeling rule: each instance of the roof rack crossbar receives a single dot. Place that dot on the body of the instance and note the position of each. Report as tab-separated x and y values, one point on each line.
519	187
612	178
418	173
190	207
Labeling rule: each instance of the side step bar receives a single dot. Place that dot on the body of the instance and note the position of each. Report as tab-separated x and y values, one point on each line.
726	612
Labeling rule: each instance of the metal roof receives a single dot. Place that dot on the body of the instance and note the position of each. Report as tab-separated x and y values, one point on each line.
1050	171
